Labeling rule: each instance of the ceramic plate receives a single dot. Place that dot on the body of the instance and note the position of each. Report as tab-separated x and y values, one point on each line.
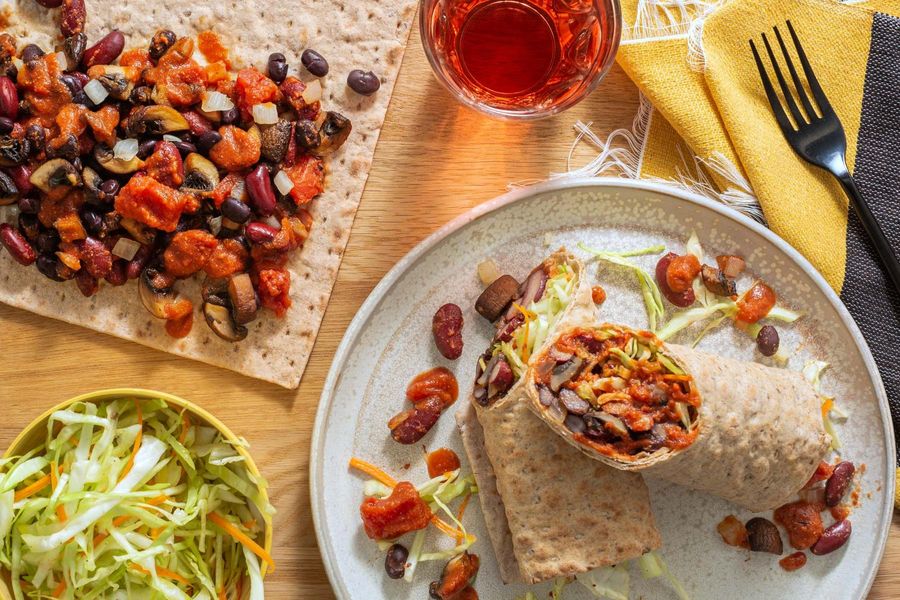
390	341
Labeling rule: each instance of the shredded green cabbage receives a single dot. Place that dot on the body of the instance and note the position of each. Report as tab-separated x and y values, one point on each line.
103	514
607	582
652	565
649	290
813	374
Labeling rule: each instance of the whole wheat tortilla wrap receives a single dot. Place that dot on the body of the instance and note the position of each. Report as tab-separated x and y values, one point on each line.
550	511
742	431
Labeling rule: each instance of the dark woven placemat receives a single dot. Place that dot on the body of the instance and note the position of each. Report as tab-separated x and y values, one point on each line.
867	292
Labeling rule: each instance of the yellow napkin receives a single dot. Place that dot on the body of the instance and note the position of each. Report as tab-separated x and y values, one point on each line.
706	91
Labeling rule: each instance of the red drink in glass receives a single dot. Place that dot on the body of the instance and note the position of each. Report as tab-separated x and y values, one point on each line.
520	58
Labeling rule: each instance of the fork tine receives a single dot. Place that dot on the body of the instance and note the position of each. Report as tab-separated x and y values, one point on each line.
798	85
814	86
788	97
774	102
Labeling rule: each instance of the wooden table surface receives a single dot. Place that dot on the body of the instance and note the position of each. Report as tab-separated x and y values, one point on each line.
435	160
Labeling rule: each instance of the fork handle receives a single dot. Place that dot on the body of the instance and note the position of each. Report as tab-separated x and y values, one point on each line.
873	229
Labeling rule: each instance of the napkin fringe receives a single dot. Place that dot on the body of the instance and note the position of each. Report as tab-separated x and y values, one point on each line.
622	153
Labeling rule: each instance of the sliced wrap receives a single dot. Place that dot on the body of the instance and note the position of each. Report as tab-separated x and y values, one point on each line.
739	430
550	511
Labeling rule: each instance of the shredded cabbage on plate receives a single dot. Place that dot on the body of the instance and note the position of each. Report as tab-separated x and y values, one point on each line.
131	499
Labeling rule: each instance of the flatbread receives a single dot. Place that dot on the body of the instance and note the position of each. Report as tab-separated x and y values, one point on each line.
367	35
760	437
551	511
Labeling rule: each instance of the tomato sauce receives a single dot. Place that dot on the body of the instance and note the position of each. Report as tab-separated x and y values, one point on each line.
756	303
440	461
211	48
681	273
401	512
438	382
274	290
148	201
793	561
802	522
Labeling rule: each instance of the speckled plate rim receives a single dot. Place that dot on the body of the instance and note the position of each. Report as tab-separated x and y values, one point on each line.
316	470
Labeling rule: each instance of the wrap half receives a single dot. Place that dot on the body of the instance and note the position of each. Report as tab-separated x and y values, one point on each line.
550	510
739	430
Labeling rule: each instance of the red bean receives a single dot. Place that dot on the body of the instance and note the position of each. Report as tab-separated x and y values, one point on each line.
446	326
118	275
259	187
395	561
73	17
87	283
16	244
21	176
833	538
683	299
50	3
260	233
838	483
411	426
96	258
106	50
767	340
138	262
197	122
9	98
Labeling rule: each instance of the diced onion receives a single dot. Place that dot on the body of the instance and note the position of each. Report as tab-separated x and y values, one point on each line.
215	102
95	91
239	191
488	272
273	222
18	63
126	149
215	225
313	92
126	248
283	183
265	113
171	138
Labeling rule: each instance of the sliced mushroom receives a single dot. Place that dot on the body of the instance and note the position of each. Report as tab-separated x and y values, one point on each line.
119	166
200	175
116	82
306	134
55	173
157	292
9	193
243	298
731	265
13	151
92	182
220	321
496	297
140	232
275	140
215	290
155	120
611	423
333	133
564	372
717	283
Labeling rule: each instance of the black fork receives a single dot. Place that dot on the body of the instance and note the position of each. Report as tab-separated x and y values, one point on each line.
818	137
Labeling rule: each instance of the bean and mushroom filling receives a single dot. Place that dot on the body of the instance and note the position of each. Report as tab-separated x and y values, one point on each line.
617	392
158	164
524	315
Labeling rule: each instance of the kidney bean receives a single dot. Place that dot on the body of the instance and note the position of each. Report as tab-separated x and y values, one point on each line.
764	536
767	340
110	188
446	327
31	52
838	483
141	258
683	299
395	561
575	424
832	538
411	426
146	148
314	62
95	257
160	43
29	206
197	122
47	241
205	141
230	116
48	265
21	176
106	50
260	233
185	147
235	210
277	67
50	3
363	82
6	125
73	16
9	98
118	274
87	283
16	244
259	187
29	226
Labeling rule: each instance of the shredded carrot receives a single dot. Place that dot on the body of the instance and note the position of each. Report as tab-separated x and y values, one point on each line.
239	587
156	532
161	499
251	524
450	530
32	489
54	476
529	316
162	572
241	537
222	595
673	377
462	511
59	589
827	405
137	442
61	513
373	471
185	426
